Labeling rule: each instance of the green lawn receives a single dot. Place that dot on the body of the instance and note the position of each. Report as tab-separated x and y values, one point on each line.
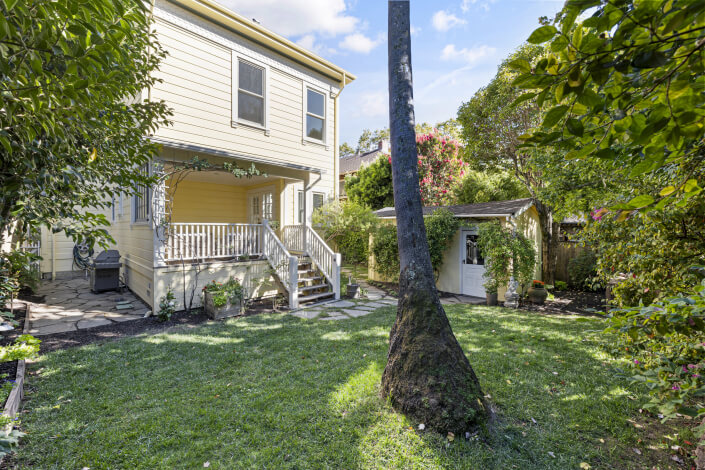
273	391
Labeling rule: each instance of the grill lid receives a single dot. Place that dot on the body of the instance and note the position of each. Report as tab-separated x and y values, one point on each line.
107	257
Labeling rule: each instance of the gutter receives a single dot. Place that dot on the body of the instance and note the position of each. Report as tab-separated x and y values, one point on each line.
264	37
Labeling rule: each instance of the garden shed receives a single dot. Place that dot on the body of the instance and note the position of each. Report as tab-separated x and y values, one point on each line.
463	266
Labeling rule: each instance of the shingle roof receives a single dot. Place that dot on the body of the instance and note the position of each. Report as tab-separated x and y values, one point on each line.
352	163
483	209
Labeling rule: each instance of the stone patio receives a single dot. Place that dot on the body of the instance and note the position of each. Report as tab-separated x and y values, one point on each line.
69	305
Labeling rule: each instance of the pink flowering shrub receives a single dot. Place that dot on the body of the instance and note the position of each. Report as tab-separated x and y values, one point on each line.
440	169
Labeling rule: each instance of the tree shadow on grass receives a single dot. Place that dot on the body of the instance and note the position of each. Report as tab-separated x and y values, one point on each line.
274	391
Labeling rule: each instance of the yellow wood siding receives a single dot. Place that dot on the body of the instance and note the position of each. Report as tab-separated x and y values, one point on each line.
195	201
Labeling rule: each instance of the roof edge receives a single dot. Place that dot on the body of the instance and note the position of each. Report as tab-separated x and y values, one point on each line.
258	33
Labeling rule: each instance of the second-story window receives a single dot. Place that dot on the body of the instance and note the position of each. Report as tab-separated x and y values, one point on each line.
250	93
315	115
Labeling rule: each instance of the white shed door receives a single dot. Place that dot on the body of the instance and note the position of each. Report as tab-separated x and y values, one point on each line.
472	266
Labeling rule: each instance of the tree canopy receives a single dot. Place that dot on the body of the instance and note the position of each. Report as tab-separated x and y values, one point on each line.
624	86
72	124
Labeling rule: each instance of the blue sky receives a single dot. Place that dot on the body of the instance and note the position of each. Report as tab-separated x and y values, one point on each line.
456	47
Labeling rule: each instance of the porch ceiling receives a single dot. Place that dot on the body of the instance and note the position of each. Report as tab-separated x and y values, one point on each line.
223	177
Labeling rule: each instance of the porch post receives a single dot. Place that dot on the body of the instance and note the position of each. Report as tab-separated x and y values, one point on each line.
160	219
293	282
304	231
336	276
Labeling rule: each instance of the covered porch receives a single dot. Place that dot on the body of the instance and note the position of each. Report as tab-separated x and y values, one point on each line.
213	216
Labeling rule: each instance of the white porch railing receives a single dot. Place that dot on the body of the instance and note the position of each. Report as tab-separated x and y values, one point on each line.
327	261
185	241
285	265
293	237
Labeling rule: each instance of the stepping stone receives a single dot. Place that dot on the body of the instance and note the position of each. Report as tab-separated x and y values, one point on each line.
92	323
339	317
118	317
357	313
52	329
365	307
42	322
341	304
306	314
126	306
374	304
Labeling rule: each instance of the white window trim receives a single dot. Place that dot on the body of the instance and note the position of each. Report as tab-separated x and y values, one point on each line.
235	120
133	204
304	111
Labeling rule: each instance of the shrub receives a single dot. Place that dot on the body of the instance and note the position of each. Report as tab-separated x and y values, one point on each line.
479	186
665	343
222	293
561	285
348	225
386	252
506	254
167	305
582	271
441	227
372	185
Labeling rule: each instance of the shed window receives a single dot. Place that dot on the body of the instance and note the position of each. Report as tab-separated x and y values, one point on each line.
315	115
250	93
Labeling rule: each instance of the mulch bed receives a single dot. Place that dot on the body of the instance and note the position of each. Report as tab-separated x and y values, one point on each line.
569	302
149	325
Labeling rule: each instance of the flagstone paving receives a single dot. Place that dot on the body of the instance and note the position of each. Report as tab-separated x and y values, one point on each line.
69	305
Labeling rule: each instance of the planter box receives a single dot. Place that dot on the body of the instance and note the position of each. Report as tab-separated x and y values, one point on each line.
216	313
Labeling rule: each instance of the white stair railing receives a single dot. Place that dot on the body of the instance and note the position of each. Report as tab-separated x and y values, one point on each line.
285	265
186	241
325	259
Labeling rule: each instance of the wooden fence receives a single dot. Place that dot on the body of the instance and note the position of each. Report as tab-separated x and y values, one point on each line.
566	251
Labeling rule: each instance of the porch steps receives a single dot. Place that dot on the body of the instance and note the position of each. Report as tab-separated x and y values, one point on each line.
319	289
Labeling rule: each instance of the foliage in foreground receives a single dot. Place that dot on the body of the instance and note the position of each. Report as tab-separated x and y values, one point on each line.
666	344
274	391
626	86
441	227
71	131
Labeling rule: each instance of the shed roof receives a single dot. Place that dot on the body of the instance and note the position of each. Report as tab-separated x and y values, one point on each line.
483	209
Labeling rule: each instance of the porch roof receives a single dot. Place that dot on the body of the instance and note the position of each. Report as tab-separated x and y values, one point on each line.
483	209
235	156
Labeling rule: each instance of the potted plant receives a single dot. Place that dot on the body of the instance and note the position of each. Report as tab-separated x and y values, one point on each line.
537	292
507	254
352	287
223	300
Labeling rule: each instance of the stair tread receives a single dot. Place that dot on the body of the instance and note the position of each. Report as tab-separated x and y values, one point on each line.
306	298
310	278
315	286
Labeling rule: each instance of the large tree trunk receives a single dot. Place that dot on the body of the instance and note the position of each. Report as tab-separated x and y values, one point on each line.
427	376
549	242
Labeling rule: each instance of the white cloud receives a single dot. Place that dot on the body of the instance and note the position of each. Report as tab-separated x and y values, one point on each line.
371	104
358	42
414	30
485	5
296	17
470	56
443	21
307	41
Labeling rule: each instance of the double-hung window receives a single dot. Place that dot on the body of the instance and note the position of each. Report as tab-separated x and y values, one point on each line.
251	93
318	200
315	125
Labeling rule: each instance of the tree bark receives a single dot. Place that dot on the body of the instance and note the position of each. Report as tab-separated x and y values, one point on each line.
427	376
549	242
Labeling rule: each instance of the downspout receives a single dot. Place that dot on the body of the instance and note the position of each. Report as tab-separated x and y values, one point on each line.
336	142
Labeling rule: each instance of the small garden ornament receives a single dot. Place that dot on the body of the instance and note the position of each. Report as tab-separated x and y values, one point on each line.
537	292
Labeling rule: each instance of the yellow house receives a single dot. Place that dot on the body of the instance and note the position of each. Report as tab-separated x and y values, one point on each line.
241	95
463	266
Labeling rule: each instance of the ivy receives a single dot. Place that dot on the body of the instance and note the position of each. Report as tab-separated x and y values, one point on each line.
507	253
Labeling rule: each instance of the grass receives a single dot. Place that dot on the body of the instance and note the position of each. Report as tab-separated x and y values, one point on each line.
274	391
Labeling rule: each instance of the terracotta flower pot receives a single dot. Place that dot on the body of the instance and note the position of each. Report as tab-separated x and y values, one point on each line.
537	295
